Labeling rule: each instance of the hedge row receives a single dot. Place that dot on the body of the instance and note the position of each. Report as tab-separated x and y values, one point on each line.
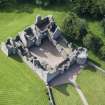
93	8
4	3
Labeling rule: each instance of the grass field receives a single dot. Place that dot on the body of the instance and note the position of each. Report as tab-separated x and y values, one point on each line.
96	60
13	22
18	84
66	95
92	84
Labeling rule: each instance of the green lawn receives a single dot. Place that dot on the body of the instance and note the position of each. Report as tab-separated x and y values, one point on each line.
66	95
18	84
13	22
93	85
96	60
96	28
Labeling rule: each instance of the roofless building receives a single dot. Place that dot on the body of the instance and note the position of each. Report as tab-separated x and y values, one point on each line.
44	49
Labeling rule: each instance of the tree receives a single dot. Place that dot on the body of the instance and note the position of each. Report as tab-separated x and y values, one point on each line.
58	1
102	52
92	42
4	3
93	8
87	41
74	27
103	23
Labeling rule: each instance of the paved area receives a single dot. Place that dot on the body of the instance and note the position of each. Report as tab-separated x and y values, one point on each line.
47	52
64	46
67	77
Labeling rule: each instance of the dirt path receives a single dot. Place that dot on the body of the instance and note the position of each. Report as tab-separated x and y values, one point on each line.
79	91
70	77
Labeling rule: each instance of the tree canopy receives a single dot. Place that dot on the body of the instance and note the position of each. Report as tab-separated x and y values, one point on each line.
92	42
93	8
74	27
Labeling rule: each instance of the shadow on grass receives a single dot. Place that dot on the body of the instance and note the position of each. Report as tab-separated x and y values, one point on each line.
63	89
17	58
18	8
29	8
58	8
95	62
90	68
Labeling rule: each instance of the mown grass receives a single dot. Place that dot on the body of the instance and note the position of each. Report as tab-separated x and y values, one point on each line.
96	60
18	84
13	22
96	28
66	95
92	84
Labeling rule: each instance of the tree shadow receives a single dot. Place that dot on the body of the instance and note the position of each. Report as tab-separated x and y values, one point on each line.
95	62
29	8
58	8
63	89
18	8
90	68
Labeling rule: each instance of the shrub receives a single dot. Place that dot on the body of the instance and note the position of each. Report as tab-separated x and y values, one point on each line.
103	23
87	41
102	52
4	3
58	1
92	42
36	2
42	2
74	27
93	8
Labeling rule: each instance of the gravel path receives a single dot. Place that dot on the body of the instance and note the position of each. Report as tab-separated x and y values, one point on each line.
70	77
81	94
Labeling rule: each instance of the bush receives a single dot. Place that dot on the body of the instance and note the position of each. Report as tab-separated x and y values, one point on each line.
58	1
102	52
74	27
44	3
93	8
87	41
103	23
5	3
92	42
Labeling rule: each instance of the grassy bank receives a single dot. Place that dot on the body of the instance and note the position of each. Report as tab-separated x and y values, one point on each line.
19	85
92	84
66	95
